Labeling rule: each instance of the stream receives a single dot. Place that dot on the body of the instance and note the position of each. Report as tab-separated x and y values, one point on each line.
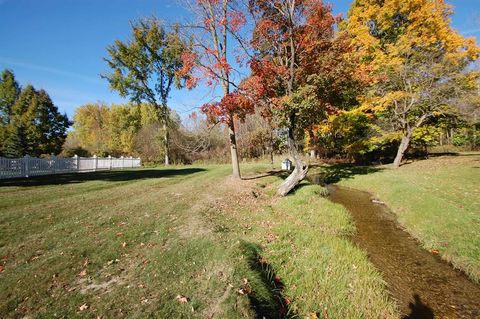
423	285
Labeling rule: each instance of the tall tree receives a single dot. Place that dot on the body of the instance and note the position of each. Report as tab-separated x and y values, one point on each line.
413	50
9	91
146	67
219	24
300	66
43	128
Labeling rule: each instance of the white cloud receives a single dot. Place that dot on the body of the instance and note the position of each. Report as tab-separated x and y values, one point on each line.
48	69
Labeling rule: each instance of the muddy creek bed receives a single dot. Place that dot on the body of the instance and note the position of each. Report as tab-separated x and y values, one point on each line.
424	285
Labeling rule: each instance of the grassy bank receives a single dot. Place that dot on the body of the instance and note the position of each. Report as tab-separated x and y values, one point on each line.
179	242
436	200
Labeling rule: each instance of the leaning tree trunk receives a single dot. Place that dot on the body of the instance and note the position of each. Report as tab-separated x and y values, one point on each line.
233	148
300	170
402	149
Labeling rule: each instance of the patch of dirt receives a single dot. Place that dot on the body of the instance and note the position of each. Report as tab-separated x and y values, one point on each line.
95	287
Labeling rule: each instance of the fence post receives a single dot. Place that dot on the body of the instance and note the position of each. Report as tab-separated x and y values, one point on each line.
110	161
123	161
95	162
54	162
131	161
77	162
26	160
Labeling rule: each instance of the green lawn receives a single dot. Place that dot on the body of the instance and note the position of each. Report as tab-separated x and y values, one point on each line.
436	200
179	243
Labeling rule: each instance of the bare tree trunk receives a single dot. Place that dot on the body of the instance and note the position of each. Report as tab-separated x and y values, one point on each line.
165	136
300	170
165	143
271	148
233	149
402	149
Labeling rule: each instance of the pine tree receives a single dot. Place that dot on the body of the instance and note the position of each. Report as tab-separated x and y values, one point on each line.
9	91
15	143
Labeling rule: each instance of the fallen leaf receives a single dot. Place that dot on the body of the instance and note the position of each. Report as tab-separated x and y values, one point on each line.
181	299
124	244
83	307
85	263
83	273
146	261
2	269
435	251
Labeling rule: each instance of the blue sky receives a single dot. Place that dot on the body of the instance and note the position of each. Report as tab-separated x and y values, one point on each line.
58	45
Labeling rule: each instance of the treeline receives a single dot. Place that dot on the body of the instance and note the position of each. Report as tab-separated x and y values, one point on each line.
137	130
30	123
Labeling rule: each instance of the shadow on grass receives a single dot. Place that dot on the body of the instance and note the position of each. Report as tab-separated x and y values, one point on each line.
111	176
266	295
331	174
279	173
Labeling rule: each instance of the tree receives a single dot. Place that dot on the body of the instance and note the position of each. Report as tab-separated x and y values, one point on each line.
299	66
414	53
15	144
35	127
9	91
146	68
220	23
90	128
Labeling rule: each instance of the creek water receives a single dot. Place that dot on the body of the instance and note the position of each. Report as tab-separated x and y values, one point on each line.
423	285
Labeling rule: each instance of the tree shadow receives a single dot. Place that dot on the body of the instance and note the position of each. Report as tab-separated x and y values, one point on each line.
331	174
266	297
419	310
111	176
267	174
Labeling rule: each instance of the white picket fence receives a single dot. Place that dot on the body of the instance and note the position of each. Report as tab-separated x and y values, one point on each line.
31	166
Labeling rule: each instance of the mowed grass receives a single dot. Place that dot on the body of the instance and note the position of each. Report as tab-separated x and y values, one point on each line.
436	200
185	242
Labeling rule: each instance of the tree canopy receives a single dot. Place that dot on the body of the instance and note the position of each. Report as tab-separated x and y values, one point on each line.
145	69
30	122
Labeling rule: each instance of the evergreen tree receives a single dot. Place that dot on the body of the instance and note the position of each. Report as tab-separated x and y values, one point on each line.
9	91
33	124
15	143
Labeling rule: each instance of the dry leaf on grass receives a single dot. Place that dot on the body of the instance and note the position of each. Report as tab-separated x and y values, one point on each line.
2	269
83	273
181	299
83	307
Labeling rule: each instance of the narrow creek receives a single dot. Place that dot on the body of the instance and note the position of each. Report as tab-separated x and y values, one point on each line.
424	285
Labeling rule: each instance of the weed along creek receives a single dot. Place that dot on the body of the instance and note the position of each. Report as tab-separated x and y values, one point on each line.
424	285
